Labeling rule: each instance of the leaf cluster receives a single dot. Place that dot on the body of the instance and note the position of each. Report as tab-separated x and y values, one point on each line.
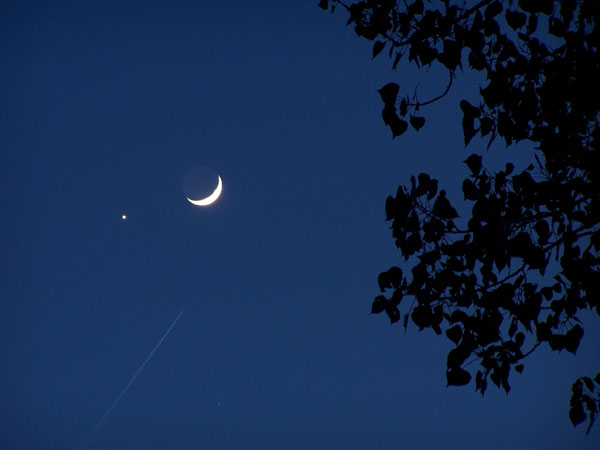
532	89
585	400
478	284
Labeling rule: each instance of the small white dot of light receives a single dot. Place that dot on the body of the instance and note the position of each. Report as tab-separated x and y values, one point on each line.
124	216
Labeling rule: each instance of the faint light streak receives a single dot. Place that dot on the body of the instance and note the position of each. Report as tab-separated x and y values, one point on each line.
109	410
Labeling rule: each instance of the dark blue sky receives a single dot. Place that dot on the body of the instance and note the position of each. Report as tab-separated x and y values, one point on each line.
105	106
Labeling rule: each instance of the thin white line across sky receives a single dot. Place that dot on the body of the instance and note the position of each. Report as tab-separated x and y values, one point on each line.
109	410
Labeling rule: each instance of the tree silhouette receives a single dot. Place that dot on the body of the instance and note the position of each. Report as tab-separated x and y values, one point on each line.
517	273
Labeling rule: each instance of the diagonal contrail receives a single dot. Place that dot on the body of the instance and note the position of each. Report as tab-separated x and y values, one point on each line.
109	410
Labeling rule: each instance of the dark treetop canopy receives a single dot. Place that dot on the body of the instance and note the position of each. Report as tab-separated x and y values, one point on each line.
516	274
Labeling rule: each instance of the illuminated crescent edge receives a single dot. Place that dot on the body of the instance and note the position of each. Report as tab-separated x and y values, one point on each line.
211	198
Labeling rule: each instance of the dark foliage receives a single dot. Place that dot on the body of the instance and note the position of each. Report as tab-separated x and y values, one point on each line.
516	274
585	396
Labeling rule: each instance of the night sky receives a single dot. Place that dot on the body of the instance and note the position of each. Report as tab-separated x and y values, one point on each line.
105	107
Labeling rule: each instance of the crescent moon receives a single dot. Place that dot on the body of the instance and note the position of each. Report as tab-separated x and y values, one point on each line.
211	198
